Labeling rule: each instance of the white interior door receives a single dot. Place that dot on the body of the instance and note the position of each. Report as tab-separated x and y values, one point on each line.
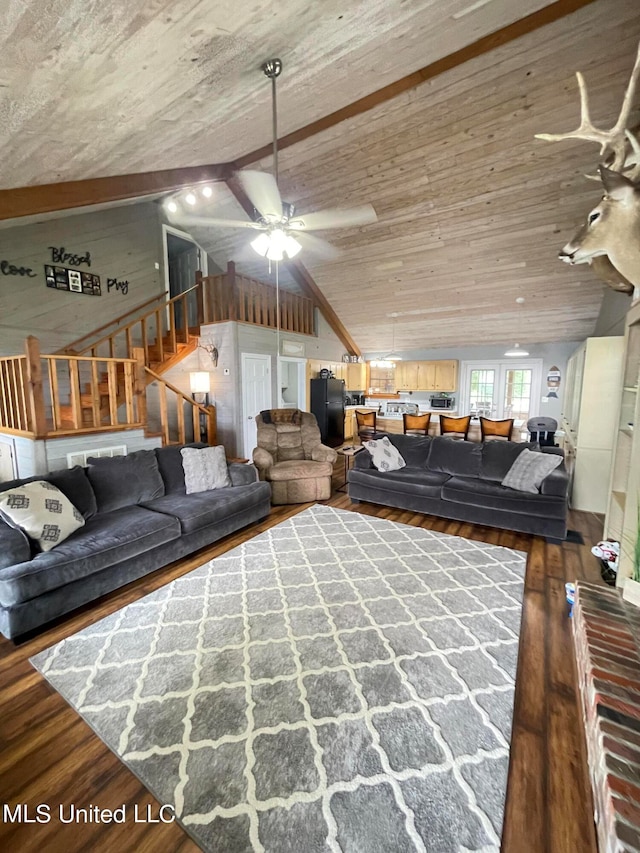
256	395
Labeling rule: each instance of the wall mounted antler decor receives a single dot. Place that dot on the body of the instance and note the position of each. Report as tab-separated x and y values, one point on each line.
210	348
612	228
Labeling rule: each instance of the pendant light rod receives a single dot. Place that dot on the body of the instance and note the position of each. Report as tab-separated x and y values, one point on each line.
272	69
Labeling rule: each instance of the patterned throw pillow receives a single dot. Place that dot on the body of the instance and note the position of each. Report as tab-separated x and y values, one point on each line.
42	511
529	470
384	455
205	469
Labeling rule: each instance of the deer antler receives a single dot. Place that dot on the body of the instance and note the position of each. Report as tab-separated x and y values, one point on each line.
613	141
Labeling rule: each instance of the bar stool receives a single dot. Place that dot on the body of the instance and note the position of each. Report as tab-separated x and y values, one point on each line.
456	427
496	429
366	425
415	424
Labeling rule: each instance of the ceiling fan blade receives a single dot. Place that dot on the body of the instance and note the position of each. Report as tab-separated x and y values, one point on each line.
212	222
317	246
337	218
263	192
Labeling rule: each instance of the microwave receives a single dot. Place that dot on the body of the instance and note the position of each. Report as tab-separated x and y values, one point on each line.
440	402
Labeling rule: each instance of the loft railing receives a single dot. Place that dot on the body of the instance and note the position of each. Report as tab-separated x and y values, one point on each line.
49	395
16	411
230	296
44	396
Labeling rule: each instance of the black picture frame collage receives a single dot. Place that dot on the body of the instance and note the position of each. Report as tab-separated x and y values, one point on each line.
74	281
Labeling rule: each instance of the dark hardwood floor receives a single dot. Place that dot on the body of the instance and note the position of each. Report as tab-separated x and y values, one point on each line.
50	756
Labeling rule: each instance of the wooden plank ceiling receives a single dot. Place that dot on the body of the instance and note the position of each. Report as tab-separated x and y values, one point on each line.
472	210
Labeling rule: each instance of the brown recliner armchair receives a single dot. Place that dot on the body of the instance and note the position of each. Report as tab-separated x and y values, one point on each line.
291	456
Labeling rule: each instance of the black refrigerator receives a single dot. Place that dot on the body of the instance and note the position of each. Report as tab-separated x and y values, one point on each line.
327	404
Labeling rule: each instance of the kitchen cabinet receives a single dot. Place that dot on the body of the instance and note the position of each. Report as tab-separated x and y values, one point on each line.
356	377
406	375
624	493
590	419
446	375
348	424
426	375
315	365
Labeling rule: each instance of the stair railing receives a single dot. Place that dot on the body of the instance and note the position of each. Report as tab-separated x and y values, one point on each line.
148	329
74	347
202	418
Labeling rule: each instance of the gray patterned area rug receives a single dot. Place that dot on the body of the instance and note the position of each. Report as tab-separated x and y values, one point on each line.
337	683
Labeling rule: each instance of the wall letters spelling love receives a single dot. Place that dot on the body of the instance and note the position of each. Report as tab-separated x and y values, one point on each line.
10	269
60	256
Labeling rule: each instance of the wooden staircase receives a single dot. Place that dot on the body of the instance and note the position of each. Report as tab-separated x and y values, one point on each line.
100	382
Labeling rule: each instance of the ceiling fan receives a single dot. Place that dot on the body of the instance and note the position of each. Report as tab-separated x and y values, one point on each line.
276	220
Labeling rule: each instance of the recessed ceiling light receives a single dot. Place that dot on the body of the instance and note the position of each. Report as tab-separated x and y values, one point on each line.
469	9
207	192
190	198
172	207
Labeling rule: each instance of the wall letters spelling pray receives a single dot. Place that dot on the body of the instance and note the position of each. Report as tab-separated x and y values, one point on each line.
59	256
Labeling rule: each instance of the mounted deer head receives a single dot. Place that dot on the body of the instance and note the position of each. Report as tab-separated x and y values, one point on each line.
612	228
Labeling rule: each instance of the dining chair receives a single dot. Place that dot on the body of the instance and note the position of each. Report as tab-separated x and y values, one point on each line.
415	424
455	427
496	429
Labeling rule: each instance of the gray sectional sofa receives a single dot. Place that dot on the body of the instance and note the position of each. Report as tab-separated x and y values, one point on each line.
461	480
138	518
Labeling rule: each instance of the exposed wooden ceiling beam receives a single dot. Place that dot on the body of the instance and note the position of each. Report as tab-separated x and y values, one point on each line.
503	36
303	278
44	198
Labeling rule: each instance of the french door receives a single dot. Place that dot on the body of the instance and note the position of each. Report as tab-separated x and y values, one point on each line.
501	389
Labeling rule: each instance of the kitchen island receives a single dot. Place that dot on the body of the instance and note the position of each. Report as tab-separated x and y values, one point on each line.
393	424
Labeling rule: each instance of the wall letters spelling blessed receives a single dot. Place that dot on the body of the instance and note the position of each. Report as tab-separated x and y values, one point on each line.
60	256
122	286
75	281
7	268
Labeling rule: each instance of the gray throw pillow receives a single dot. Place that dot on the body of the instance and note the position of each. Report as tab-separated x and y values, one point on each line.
42	512
384	455
529	470
205	469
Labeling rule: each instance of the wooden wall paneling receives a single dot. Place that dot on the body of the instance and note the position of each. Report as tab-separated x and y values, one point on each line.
122	244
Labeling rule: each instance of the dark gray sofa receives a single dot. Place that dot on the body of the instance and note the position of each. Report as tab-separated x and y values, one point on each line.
138	518
461	480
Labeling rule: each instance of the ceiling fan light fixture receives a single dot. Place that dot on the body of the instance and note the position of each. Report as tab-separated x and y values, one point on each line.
516	352
275	244
261	244
292	246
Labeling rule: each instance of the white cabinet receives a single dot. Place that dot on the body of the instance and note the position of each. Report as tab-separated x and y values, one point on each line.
623	522
590	419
